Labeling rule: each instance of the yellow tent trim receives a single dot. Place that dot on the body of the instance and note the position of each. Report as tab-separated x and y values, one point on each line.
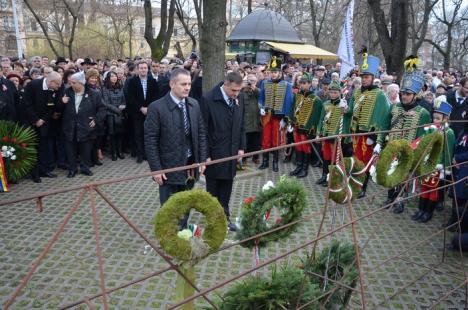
302	50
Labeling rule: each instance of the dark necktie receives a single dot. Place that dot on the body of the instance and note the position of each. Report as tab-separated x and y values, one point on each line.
186	121
460	100
231	102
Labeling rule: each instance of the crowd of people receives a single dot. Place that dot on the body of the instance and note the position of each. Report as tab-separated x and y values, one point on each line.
156	111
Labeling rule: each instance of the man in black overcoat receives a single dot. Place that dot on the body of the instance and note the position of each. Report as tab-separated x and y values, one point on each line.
142	90
40	101
458	99
175	136
223	113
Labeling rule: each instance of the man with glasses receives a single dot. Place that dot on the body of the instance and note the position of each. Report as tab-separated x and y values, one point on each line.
458	99
405	115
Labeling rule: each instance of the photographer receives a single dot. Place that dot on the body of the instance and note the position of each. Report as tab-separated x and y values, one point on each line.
253	127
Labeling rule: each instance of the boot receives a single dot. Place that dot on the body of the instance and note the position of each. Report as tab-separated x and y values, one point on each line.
323	179
275	161
305	166
426	217
119	147
398	208
421	209
390	197
362	193
299	158
265	161
113	148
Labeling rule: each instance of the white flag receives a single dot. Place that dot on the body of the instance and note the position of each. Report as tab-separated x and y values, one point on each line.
346	48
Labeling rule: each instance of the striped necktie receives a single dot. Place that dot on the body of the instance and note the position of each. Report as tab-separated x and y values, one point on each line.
186	121
231	103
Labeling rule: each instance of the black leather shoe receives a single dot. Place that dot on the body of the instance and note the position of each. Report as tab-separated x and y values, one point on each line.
87	172
121	156
417	215
36	180
439	207
114	157
71	174
98	163
275	166
139	160
361	194
232	226
322	180
426	217
296	171
316	164
48	175
398	208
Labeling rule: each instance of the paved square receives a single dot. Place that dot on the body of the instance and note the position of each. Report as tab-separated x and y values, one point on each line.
69	272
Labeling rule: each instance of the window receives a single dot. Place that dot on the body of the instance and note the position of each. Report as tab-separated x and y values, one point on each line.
10	43
34	43
8	23
142	30
33	24
142	44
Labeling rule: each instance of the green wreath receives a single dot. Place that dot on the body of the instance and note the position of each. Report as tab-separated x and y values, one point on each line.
435	143
288	197
337	192
18	147
166	225
396	149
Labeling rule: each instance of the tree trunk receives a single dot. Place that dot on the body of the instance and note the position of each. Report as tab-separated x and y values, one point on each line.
159	45
249	6
212	42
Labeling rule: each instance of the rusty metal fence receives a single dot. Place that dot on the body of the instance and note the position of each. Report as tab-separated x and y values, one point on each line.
94	188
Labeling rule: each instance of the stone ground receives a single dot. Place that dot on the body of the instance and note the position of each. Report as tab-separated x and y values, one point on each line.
69	271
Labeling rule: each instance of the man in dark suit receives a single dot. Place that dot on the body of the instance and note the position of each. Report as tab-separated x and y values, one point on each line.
223	113
458	99
175	136
40	102
142	90
9	100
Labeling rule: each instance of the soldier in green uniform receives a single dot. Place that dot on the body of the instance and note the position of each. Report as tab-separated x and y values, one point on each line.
404	115
305	117
329	125
371	111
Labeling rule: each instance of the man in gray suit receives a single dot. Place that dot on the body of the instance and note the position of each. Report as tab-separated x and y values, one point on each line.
175	136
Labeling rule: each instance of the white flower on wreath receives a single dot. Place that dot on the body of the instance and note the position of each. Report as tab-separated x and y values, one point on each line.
4	148
268	185
13	157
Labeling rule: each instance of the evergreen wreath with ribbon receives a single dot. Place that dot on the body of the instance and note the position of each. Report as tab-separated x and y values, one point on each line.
287	198
434	143
18	149
394	163
355	174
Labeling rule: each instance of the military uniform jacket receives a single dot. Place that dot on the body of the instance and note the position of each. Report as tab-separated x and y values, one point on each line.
371	110
401	120
306	112
276	97
330	117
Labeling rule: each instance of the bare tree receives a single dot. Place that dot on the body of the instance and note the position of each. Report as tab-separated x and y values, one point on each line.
212	42
419	20
58	21
159	45
318	18
448	18
186	23
394	42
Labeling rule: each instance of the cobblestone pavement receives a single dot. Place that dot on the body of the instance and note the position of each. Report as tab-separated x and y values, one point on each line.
69	271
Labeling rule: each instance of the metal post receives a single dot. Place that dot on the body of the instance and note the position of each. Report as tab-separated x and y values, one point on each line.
19	44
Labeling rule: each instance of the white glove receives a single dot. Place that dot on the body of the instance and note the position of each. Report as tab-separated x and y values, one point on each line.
343	104
439	167
290	128
377	148
282	124
369	141
262	112
441	174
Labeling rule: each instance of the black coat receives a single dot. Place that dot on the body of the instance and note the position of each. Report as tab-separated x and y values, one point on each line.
135	97
91	107
165	140
163	86
226	134
458	112
9	100
40	104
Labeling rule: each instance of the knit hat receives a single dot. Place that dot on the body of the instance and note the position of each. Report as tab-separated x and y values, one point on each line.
335	86
79	77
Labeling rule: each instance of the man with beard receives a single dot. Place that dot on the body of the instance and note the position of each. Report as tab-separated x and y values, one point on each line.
404	115
305	117
276	99
371	111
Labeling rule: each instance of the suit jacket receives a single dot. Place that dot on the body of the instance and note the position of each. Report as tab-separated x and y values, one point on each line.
165	140
136	99
459	112
163	86
9	100
226	133
76	125
40	104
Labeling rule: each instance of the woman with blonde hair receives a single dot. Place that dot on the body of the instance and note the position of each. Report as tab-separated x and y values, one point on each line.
393	91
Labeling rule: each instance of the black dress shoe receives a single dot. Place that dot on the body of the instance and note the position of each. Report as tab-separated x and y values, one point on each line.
139	160
439	206
98	163
398	208
48	175
322	180
232	226
417	215
316	164
71	174
361	194
36	180
87	172
121	156
426	217
114	157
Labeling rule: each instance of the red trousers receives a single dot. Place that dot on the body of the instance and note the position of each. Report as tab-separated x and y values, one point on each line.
299	137
362	151
328	147
271	134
